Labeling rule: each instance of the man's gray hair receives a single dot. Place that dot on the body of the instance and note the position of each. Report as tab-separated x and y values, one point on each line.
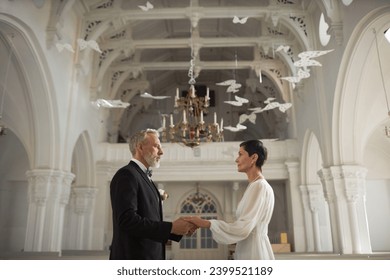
139	138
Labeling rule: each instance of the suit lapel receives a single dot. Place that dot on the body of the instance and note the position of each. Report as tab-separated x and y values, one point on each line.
149	182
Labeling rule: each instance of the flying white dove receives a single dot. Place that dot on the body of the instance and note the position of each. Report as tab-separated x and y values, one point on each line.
91	43
302	74
226	83
282	48
243	20
148	95
251	117
66	46
271	105
305	58
236	128
111	103
283	107
233	85
238	102
148	6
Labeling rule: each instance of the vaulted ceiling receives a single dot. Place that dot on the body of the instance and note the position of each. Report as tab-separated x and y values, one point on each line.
149	48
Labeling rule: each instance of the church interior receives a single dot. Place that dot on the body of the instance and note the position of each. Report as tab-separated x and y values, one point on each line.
310	78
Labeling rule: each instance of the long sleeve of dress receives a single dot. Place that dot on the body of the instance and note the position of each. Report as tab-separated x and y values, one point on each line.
254	211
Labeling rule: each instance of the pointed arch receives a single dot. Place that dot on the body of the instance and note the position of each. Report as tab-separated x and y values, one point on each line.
209	199
32	98
311	159
83	161
359	98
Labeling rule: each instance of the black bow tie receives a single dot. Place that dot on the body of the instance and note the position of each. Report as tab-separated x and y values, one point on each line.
149	172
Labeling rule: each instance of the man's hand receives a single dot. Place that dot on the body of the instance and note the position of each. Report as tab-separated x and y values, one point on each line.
182	227
198	222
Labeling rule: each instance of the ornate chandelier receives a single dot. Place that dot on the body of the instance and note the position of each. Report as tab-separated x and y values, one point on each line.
191	129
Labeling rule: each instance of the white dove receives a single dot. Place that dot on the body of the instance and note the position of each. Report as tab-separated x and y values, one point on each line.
236	128
271	105
282	48
91	43
283	107
226	83
238	102
302	74
251	117
148	95
66	46
305	58
243	20
111	103
233	85
148	6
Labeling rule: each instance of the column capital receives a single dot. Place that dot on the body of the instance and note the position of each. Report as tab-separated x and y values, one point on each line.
348	172
44	182
83	198
315	193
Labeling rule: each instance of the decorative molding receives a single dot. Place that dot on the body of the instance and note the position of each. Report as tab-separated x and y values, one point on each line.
83	198
316	195
47	184
210	161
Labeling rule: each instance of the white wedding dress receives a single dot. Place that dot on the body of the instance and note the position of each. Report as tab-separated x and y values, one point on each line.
250	229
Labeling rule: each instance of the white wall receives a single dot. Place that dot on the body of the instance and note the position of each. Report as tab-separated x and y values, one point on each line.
13	193
378	212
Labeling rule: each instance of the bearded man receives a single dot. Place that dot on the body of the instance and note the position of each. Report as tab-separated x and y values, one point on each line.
139	232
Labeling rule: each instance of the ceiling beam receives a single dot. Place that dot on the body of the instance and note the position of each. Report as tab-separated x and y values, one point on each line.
203	42
200	12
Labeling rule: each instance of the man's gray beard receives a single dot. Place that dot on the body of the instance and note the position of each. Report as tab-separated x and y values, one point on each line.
153	162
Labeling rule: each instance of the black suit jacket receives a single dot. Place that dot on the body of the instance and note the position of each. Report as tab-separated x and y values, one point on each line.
139	232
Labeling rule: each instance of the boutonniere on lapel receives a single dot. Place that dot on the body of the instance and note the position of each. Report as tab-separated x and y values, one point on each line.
163	194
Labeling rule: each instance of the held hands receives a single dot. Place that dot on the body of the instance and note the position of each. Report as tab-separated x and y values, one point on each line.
183	227
198	222
188	225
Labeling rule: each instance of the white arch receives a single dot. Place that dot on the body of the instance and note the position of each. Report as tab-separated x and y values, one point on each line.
311	159
35	94
359	103
83	161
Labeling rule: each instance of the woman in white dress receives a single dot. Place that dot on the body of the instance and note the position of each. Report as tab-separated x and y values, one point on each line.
250	230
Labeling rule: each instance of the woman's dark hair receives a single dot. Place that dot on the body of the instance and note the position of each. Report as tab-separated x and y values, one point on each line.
256	146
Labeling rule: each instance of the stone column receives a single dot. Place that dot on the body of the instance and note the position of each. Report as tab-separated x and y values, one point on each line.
330	196
315	195
294	205
81	217
307	219
345	192
313	203
48	192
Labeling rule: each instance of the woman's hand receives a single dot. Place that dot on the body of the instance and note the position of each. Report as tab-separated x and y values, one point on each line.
198	221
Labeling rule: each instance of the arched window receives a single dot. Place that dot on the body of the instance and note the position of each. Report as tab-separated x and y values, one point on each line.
202	205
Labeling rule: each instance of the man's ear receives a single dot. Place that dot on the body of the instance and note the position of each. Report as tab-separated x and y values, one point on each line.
139	149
